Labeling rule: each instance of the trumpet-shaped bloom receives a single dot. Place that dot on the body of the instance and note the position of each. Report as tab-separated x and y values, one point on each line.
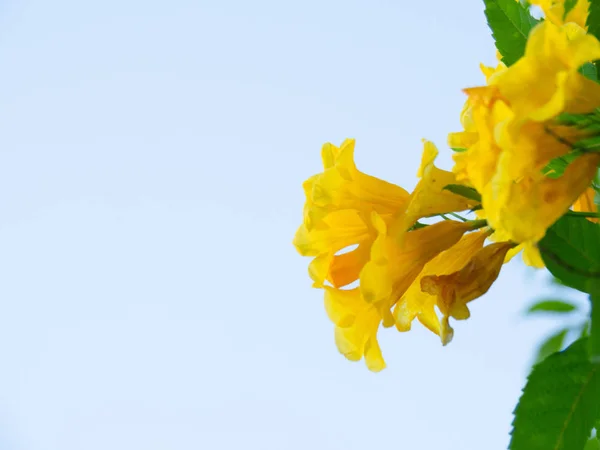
429	196
477	164
343	186
356	325
338	205
455	290
420	304
546	81
524	209
393	267
514	120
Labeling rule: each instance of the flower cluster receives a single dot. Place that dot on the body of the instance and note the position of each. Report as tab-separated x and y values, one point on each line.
378	264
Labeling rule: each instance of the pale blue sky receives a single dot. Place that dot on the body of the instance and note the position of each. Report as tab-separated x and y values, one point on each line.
152	155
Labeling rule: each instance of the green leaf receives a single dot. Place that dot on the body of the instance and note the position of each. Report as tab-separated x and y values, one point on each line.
589	71
458	150
552	306
571	252
589	145
584	329
588	121
593	19
552	344
592	444
595	329
559	405
556	167
510	23
464	191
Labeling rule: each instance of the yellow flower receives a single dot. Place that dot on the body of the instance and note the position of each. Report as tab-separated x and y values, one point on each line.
343	186
357	313
585	203
546	81
338	205
513	120
420	304
455	290
393	267
477	164
469	136
338	230
356	325
429	196
554	11
525	208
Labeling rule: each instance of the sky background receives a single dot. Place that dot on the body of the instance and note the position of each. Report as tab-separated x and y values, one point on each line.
151	161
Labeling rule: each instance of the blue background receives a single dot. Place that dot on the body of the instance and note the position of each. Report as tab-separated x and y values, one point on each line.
151	160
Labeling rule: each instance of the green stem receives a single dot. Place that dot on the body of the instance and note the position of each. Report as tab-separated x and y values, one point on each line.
582	214
595	328
458	216
478	223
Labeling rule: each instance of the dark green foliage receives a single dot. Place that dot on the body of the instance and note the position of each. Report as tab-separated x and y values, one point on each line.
589	71
592	444
510	23
593	20
551	306
552	344
571	252
560	402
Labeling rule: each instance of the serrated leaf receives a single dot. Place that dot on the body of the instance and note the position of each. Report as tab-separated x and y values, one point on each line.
571	252
510	23
552	306
552	344
592	444
464	191
559	405
593	19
